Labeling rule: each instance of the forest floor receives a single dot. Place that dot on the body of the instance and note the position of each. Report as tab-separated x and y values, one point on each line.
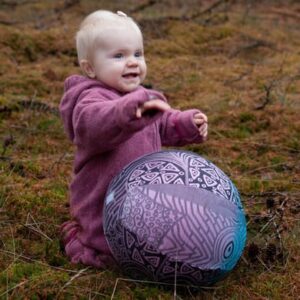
237	61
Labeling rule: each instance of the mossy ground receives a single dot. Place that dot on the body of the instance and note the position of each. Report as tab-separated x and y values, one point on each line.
238	62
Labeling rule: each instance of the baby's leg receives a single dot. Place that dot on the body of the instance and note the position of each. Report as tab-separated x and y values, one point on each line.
80	253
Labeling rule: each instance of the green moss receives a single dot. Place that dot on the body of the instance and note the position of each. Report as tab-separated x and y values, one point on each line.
277	160
59	190
246	117
46	124
241	163
20	271
241	132
48	211
256	185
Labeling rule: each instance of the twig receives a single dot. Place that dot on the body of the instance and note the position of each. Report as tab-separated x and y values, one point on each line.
6	22
16	3
57	162
245	260
32	104
6	284
37	229
240	77
67	5
285	13
247	178
14	287
266	225
262	262
88	291
7	268
264	194
219	134
37	261
248	6
143	6
78	274
264	168
267	99
115	288
70	3
188	18
209	9
160	283
280	212
13	241
256	43
268	145
272	84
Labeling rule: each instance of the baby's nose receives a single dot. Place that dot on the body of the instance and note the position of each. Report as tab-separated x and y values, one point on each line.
132	61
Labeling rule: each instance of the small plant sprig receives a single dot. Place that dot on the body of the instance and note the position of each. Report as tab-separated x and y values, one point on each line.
267	245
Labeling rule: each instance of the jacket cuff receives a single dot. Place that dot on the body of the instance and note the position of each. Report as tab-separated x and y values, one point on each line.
185	126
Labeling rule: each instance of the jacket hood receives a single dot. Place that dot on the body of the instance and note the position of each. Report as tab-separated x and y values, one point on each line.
74	86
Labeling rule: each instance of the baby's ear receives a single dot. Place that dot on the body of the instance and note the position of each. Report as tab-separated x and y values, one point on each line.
87	68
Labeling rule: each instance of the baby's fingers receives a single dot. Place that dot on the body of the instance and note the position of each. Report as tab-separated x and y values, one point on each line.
139	113
203	130
156	104
199	122
200	116
152	107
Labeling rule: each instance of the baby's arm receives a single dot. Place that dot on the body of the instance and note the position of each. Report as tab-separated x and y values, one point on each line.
101	124
179	128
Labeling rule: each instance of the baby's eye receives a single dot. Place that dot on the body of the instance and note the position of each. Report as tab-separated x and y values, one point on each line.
118	55
138	54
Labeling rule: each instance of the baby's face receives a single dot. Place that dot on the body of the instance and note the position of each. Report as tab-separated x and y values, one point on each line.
118	60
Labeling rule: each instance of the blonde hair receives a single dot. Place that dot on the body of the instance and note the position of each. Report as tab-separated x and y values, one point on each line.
96	23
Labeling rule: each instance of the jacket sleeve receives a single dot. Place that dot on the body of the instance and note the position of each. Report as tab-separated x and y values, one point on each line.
178	129
100	124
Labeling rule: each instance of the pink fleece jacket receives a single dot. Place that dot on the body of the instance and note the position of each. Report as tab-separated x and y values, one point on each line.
101	122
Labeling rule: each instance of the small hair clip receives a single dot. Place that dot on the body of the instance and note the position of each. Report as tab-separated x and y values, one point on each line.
121	14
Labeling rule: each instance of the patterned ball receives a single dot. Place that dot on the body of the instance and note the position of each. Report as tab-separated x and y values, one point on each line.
173	215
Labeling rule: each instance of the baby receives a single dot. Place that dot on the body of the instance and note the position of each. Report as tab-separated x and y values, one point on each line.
112	120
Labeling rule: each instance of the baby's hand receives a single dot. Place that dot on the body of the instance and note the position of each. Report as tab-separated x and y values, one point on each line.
200	121
152	107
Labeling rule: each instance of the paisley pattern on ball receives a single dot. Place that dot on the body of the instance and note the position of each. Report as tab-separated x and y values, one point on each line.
173	213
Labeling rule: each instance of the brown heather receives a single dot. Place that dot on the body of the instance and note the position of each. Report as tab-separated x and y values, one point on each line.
238	61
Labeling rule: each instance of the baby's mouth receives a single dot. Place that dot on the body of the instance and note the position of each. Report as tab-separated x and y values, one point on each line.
130	75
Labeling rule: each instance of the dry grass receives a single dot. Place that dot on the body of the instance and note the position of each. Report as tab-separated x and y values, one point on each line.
238	62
